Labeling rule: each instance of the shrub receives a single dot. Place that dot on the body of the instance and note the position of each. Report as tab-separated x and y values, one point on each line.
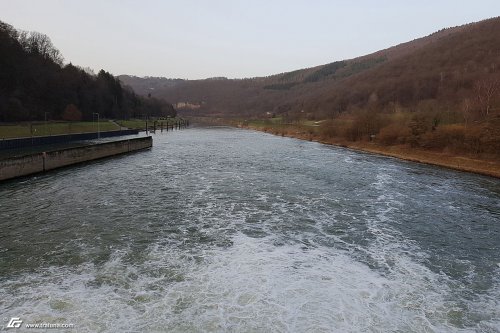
71	113
394	134
450	137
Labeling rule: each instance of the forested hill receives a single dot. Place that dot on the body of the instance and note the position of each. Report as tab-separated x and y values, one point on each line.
440	92
441	70
34	84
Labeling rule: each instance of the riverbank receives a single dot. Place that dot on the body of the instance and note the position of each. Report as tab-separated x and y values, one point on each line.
43	161
36	129
461	163
26	142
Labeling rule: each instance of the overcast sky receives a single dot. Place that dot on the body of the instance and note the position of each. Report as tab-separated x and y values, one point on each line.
198	39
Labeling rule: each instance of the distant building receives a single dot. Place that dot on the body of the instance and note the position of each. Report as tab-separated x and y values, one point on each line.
187	105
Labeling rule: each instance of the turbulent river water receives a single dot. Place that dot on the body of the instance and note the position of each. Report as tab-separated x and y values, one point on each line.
227	230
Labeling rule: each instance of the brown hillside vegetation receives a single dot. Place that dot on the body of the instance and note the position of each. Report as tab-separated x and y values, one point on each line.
438	93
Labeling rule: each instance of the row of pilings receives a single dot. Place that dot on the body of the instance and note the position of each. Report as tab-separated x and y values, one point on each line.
167	125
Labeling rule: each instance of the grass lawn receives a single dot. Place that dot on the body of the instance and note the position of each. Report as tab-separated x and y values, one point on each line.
20	130
141	124
132	123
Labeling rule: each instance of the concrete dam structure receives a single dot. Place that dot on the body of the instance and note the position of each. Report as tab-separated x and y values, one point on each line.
44	161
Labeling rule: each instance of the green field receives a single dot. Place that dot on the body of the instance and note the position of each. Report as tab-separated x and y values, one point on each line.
20	130
141	124
27	129
132	123
278	123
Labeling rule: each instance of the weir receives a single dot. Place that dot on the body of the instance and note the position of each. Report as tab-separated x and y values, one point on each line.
48	160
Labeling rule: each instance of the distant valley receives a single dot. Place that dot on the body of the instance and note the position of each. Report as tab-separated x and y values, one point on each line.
439	93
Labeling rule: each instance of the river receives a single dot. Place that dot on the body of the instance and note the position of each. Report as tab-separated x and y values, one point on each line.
227	230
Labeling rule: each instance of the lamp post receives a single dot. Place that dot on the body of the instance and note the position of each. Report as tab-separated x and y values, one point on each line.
98	131
46	131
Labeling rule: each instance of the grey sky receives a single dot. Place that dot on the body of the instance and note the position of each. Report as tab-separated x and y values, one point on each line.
199	39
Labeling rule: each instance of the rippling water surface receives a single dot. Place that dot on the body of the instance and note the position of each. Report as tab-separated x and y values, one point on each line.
219	229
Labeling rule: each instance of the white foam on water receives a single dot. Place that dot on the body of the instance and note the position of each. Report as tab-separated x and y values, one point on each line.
252	286
258	287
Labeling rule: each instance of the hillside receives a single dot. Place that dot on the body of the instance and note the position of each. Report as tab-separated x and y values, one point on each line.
216	94
36	85
439	92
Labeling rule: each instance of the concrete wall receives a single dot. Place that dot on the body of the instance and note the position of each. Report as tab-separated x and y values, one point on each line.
40	162
53	139
21	166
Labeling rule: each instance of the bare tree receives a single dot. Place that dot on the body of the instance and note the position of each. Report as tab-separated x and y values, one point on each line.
466	106
37	43
485	89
